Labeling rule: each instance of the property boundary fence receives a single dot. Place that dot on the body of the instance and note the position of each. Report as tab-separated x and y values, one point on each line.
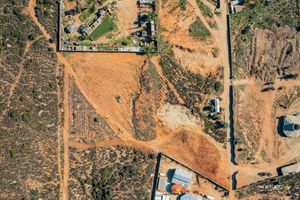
155	181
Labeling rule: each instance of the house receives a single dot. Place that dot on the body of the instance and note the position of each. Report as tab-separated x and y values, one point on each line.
190	197
162	183
291	125
70	28
290	169
182	178
145	3
215	105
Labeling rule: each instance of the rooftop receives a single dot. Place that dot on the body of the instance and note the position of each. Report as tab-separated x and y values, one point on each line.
181	177
291	125
291	169
191	197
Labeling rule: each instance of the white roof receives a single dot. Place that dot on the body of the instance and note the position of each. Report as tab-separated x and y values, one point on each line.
158	196
181	177
216	106
291	169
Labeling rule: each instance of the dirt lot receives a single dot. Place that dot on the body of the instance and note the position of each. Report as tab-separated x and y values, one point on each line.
192	53
127	15
104	77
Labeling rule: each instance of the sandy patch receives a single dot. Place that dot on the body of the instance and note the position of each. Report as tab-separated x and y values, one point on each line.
175	116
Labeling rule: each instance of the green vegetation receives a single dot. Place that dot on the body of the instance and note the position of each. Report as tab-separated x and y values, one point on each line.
264	15
104	188
205	10
198	30
47	14
126	41
143	118
182	4
285	100
243	151
264	156
213	24
218	86
87	13
215	52
106	26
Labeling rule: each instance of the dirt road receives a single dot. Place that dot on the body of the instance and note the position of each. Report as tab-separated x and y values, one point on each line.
64	179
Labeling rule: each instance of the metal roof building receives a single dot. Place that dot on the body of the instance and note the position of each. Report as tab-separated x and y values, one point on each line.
290	169
182	178
71	28
291	125
216	105
162	183
191	197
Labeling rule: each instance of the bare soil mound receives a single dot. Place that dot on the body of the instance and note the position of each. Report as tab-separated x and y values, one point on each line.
273	53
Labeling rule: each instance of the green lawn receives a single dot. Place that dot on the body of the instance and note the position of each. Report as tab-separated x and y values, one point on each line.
106	26
198	30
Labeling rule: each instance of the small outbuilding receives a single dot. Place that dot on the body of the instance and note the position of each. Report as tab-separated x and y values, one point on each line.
182	178
145	3
291	125
191	197
71	28
215	105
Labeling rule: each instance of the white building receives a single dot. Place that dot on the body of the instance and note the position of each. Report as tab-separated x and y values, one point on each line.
290	169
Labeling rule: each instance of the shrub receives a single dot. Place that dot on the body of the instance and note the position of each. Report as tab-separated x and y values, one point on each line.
204	9
14	114
218	86
182	4
198	30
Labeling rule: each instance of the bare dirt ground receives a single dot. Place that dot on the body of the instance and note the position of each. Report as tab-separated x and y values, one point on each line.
127	14
103	77
194	54
175	116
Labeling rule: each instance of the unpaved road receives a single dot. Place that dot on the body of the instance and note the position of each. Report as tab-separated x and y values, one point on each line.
65	176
